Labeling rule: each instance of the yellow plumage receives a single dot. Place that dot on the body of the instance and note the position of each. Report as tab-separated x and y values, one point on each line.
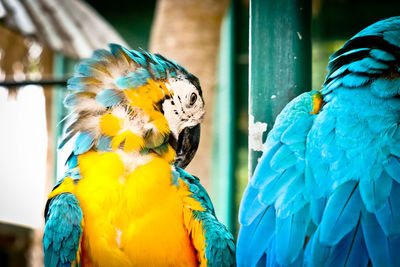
131	215
110	125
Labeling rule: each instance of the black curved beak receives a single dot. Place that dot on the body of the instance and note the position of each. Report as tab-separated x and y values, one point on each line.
186	145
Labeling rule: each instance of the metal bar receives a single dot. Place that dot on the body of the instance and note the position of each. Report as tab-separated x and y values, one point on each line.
223	171
59	67
280	64
59	82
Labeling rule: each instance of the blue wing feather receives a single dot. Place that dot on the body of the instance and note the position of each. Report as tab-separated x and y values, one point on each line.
316	254
394	244
264	173
251	206
279	175
353	80
283	159
392	167
367	65
376	242
253	240
279	185
290	235
382	55
350	251
317	207
287	198
389	216
341	213
63	230
374	193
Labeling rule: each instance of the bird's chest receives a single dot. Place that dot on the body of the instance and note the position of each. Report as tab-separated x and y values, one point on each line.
133	218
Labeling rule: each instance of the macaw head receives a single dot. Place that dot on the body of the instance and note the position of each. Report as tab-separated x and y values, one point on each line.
184	112
137	102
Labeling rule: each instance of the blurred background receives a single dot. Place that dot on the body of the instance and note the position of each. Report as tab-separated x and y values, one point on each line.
41	40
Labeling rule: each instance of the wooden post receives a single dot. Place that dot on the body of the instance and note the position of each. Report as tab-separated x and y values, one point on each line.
280	64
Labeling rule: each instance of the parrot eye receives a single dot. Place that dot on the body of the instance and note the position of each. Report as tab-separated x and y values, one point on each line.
193	98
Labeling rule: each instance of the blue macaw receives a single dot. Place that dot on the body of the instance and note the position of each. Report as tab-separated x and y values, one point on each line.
326	191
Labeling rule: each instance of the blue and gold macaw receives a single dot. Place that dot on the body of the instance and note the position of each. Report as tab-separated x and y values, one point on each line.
126	200
326	191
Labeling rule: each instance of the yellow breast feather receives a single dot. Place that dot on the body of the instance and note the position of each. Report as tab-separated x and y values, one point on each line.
129	216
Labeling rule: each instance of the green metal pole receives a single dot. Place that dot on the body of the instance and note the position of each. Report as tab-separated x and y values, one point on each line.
223	179
58	70
280	64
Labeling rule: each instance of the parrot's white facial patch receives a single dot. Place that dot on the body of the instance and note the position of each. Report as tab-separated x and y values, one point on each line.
185	108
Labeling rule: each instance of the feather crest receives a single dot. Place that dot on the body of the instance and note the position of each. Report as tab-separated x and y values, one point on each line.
117	94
